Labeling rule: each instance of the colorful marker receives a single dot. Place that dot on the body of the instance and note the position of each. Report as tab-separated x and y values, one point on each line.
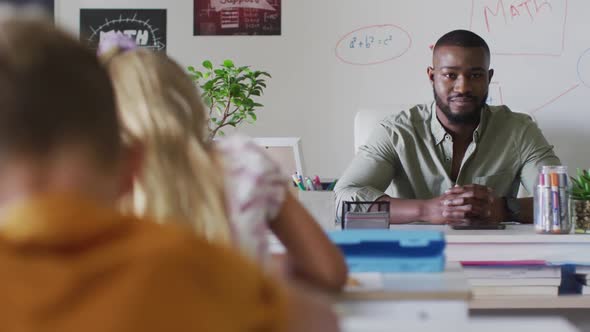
563	202
555	203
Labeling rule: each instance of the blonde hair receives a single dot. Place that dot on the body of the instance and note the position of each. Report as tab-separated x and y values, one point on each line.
160	107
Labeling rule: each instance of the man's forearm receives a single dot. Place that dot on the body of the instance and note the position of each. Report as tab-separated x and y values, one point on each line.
403	211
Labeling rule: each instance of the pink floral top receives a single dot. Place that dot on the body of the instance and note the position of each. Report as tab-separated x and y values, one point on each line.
255	190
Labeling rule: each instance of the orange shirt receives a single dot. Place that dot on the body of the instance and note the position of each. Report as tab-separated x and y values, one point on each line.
68	265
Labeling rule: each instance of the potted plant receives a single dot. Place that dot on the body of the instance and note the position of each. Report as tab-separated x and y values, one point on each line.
229	93
580	201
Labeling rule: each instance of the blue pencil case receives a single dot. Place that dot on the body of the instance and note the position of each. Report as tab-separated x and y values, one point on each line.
391	251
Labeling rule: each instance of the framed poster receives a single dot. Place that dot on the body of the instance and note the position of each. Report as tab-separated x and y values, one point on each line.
46	4
236	17
146	26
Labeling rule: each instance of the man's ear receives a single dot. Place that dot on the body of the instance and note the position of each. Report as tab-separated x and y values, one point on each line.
430	72
490	75
131	168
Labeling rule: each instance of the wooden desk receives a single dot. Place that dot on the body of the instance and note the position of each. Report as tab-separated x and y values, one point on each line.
516	242
531	302
488	324
374	286
412	298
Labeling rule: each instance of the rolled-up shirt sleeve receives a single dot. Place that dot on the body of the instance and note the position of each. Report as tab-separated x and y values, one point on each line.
535	151
371	170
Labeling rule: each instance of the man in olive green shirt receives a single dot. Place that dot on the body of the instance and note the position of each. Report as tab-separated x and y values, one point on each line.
456	160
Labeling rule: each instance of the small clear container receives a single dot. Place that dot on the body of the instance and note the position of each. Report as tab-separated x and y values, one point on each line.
551	205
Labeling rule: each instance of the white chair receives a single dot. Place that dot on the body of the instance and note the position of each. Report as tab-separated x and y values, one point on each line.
367	118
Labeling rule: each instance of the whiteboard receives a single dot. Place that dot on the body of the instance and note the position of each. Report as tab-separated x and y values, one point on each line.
540	53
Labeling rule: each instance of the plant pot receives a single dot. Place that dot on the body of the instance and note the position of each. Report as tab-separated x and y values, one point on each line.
580	215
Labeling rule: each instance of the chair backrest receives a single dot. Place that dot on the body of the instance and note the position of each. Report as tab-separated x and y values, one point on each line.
367	118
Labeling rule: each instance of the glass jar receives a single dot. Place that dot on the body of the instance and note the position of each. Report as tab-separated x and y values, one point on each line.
551	201
580	215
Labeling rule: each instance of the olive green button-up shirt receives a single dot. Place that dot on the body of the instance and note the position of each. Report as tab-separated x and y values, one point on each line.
412	153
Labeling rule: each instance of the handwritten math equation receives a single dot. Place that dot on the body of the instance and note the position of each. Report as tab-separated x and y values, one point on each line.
374	44
368	41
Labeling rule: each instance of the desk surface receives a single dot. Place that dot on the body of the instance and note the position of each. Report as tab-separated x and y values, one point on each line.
491	324
516	242
512	234
531	302
448	285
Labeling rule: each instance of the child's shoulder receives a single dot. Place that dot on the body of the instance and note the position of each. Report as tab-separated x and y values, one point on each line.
243	153
176	258
174	247
237	144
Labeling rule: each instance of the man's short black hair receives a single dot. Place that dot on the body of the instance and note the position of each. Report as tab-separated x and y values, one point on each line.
462	38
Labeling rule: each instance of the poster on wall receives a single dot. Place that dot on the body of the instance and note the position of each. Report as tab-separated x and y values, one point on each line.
237	17
146	26
45	4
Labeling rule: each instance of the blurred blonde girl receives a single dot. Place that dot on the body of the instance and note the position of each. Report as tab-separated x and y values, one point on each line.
230	191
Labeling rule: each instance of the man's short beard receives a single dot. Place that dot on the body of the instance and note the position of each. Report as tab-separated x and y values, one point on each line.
462	118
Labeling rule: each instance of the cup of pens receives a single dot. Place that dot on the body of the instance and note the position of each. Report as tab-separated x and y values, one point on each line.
551	201
305	183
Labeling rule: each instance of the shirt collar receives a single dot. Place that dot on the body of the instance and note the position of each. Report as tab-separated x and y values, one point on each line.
439	133
58	221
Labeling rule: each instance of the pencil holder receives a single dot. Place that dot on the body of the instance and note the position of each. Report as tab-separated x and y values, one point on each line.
321	205
551	201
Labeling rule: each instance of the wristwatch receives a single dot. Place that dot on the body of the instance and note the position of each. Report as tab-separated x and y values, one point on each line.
513	207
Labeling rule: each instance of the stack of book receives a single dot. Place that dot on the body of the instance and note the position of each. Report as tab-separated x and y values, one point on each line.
512	278
583	277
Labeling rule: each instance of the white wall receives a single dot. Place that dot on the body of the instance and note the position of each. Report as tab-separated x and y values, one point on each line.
314	95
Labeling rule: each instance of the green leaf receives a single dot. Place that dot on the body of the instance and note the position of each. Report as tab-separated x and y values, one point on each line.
208	85
235	89
227	88
576	183
228	64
